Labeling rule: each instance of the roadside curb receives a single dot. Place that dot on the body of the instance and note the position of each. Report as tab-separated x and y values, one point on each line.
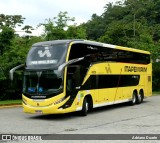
10	106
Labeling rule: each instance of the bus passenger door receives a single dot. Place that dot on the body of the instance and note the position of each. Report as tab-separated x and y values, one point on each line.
122	90
91	87
119	96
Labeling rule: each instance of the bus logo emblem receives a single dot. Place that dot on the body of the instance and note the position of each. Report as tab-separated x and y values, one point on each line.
45	53
108	69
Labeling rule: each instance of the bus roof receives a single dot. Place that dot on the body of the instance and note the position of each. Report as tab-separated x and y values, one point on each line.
81	41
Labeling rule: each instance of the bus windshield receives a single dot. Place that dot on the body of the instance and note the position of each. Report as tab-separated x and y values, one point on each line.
46	56
42	83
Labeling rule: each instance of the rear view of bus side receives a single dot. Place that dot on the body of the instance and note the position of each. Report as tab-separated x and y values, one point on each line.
64	76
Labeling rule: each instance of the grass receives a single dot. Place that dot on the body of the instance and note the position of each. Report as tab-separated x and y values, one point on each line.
10	102
156	92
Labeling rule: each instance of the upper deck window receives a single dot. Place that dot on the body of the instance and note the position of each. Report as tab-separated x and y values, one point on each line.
100	54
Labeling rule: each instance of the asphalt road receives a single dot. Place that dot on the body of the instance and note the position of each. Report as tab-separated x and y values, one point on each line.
116	119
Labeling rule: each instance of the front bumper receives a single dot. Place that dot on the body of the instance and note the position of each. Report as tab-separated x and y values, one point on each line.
43	110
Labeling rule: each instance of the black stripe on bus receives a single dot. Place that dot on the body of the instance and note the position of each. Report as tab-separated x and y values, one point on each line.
110	81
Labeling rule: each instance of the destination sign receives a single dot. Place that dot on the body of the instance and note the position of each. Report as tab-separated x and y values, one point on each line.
41	62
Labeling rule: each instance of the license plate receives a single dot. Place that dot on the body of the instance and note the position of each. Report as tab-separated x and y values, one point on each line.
38	111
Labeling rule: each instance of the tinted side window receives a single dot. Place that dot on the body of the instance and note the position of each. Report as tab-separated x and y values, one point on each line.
129	80
111	81
108	81
91	83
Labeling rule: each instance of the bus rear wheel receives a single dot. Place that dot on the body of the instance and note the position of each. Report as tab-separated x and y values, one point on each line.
134	99
140	97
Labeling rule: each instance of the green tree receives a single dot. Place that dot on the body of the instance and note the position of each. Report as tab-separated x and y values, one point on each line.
7	25
28	29
56	28
60	27
6	37
11	20
62	20
94	27
76	32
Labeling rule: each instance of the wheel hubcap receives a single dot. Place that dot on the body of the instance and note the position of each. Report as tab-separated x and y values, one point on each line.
134	99
86	106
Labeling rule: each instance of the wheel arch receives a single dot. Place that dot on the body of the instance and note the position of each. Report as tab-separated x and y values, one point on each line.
141	91
136	92
140	96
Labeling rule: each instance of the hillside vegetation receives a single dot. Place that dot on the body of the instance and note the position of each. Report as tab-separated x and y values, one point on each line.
131	23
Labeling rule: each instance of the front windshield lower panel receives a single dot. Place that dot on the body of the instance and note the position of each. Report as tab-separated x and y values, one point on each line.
42	84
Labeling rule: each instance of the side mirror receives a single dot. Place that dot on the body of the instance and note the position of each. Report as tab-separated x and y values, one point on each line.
61	67
11	72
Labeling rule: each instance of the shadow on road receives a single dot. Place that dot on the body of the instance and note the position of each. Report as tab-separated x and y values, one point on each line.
72	115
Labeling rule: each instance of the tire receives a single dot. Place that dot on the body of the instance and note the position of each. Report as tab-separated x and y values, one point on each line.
140	98
134	99
85	107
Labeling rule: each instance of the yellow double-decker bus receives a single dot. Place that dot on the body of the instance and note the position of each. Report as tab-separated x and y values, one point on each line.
64	76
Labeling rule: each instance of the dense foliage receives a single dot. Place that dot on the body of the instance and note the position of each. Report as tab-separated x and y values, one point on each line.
131	23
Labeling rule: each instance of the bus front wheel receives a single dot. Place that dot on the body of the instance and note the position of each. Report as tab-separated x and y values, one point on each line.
85	107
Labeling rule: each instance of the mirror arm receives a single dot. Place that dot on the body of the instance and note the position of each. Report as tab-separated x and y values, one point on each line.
11	72
61	67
